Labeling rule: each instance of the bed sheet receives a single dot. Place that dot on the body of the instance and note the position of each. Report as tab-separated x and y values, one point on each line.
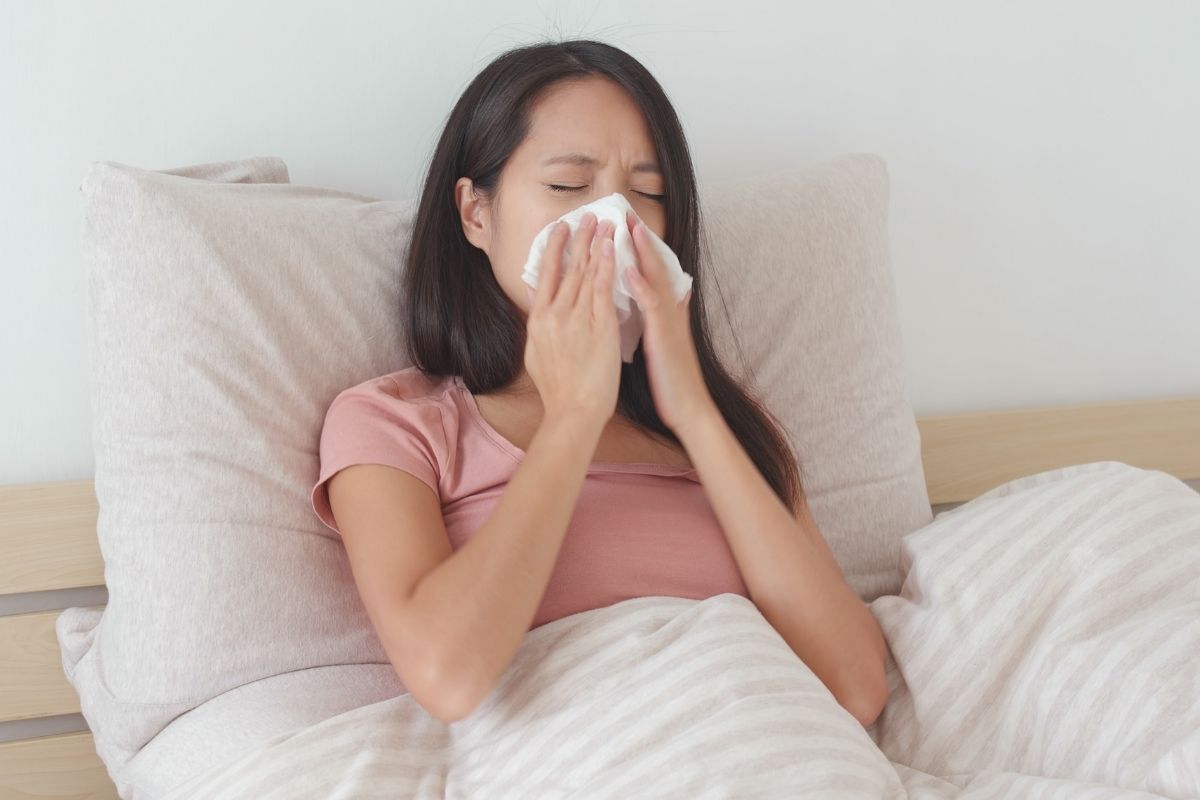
224	728
1045	642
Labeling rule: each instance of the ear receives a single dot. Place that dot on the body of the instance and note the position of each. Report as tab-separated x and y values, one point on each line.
474	214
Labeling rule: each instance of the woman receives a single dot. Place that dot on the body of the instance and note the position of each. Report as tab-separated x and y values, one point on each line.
520	471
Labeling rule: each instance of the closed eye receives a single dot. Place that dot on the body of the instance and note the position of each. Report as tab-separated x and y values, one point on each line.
559	188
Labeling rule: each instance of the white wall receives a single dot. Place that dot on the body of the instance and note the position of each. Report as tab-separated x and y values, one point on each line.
1043	156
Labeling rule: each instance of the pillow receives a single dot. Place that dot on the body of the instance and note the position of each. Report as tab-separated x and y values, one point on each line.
228	307
1050	627
803	266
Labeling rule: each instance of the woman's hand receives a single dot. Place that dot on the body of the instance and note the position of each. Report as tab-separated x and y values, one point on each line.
671	361
573	340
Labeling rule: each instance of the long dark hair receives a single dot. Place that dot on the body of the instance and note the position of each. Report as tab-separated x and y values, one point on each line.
460	321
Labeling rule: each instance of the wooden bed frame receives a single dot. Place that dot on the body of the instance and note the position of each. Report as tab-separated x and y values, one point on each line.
48	542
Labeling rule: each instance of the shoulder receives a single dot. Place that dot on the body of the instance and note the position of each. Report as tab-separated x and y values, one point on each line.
406	386
407	398
414	385
402	419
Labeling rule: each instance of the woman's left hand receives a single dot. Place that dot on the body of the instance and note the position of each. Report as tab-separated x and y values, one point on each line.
671	361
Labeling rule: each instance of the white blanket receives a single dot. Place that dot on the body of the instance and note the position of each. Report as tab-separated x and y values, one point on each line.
1046	643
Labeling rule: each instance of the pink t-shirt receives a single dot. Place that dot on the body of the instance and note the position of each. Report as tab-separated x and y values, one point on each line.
638	529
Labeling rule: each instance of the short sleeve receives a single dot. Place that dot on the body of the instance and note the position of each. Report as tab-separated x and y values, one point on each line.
371	423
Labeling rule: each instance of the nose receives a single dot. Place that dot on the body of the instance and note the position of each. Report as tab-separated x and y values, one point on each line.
611	180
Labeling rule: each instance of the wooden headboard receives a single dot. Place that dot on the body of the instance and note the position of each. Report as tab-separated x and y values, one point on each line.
48	542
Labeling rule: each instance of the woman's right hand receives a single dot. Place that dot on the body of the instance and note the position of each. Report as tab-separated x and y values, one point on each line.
572	341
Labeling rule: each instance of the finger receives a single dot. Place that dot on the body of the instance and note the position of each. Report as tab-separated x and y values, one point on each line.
565	298
587	234
551	266
584	301
647	298
652	268
602	304
573	276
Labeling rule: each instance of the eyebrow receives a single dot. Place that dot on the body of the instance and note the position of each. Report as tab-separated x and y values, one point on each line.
584	160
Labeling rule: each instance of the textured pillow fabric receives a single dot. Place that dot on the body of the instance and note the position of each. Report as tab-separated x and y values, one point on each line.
226	308
229	307
803	266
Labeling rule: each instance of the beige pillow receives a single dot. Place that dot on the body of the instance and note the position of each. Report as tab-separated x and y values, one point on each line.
802	262
228	307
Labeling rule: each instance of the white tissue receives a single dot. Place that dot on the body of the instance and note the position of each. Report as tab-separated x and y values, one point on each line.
629	316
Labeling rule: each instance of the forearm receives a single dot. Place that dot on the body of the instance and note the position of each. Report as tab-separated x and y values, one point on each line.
479	603
790	572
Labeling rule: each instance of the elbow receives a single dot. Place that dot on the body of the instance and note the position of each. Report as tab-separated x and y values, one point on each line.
868	703
456	703
867	686
445	695
867	713
447	707
435	682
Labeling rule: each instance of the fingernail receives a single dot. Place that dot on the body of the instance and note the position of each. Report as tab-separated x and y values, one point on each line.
607	247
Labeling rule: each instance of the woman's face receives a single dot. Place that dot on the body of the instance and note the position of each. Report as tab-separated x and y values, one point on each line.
593	117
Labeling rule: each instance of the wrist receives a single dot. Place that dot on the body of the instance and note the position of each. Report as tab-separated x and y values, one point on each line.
697	420
571	427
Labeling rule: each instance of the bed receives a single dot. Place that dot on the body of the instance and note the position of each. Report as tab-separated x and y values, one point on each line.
1043	627
48	541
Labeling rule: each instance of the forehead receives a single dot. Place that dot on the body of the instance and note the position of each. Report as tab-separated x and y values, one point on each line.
593	117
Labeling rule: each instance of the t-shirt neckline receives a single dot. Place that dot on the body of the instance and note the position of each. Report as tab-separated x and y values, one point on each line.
596	466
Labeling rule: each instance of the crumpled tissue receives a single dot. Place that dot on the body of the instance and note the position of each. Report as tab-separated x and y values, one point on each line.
629	315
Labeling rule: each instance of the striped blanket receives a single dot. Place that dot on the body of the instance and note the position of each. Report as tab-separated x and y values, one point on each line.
1045	643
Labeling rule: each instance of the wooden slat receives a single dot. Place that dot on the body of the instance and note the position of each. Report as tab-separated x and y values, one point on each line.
48	537
32	683
63	767
967	454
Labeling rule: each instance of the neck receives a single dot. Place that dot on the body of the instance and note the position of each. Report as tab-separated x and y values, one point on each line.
520	386
523	388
